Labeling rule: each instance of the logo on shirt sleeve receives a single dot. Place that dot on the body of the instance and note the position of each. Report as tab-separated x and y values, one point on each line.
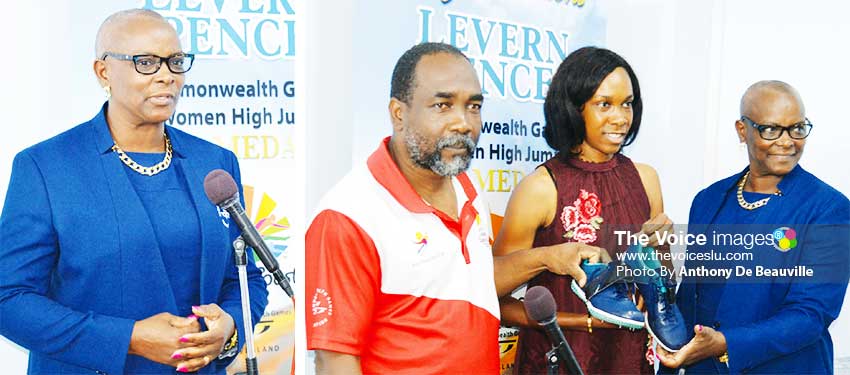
322	307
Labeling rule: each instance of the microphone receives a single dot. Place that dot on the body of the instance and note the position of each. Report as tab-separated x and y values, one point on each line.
222	191
540	306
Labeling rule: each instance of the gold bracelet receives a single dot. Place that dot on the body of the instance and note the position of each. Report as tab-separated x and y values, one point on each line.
233	341
724	358
589	324
229	349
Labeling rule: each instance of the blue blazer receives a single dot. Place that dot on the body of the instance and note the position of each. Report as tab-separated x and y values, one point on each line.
79	262
778	325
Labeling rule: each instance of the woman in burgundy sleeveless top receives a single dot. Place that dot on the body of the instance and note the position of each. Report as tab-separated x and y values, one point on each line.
581	196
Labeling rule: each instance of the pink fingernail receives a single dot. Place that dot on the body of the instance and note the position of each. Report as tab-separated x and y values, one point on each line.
699	327
183	339
193	316
182	369
177	356
196	307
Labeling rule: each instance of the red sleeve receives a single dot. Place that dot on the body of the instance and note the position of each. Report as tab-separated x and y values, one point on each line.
342	281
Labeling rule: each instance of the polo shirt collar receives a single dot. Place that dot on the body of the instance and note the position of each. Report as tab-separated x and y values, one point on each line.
387	173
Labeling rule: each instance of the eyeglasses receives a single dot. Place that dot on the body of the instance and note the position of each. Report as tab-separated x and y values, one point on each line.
177	63
771	132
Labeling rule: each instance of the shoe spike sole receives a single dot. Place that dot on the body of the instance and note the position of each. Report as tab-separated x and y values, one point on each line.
602	315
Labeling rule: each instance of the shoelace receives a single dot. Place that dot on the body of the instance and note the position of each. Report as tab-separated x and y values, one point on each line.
667	312
611	280
621	290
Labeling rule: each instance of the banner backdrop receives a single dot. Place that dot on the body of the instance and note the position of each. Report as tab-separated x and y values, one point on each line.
515	47
240	95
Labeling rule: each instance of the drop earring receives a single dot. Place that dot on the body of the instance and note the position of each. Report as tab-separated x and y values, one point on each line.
108	92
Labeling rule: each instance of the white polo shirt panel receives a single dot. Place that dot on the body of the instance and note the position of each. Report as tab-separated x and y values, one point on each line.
428	278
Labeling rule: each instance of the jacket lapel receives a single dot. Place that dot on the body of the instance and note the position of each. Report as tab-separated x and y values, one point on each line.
730	308
703	217
140	254
717	196
212	236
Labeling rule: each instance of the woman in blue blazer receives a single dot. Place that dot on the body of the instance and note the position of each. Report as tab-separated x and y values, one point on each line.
776	318
112	259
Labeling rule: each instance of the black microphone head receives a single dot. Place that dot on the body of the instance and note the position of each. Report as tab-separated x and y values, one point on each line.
219	186
539	303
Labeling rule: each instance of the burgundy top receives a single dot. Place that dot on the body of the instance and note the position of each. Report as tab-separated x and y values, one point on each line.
594	199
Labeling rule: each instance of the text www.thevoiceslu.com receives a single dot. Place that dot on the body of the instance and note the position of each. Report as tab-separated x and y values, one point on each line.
657	256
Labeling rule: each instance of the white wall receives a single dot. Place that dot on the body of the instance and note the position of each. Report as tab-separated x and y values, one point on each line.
43	95
804	44
37	72
329	109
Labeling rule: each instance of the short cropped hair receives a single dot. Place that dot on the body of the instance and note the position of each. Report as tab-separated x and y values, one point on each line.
405	68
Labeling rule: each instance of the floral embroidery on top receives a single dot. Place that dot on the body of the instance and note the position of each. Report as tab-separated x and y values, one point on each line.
582	219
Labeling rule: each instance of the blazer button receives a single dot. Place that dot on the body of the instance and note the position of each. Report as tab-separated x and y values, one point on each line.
716	325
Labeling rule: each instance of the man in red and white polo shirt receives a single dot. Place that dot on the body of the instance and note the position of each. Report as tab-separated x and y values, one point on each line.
399	268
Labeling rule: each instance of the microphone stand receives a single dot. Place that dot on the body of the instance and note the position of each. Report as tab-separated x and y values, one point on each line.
237	213
553	361
241	257
560	352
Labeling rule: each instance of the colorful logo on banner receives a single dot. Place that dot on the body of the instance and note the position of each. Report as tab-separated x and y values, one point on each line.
274	333
786	239
508	340
269	226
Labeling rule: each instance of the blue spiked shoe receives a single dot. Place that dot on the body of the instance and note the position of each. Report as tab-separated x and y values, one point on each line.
663	319
607	296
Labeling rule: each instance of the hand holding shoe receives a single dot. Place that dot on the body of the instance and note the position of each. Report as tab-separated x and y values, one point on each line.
565	259
706	343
